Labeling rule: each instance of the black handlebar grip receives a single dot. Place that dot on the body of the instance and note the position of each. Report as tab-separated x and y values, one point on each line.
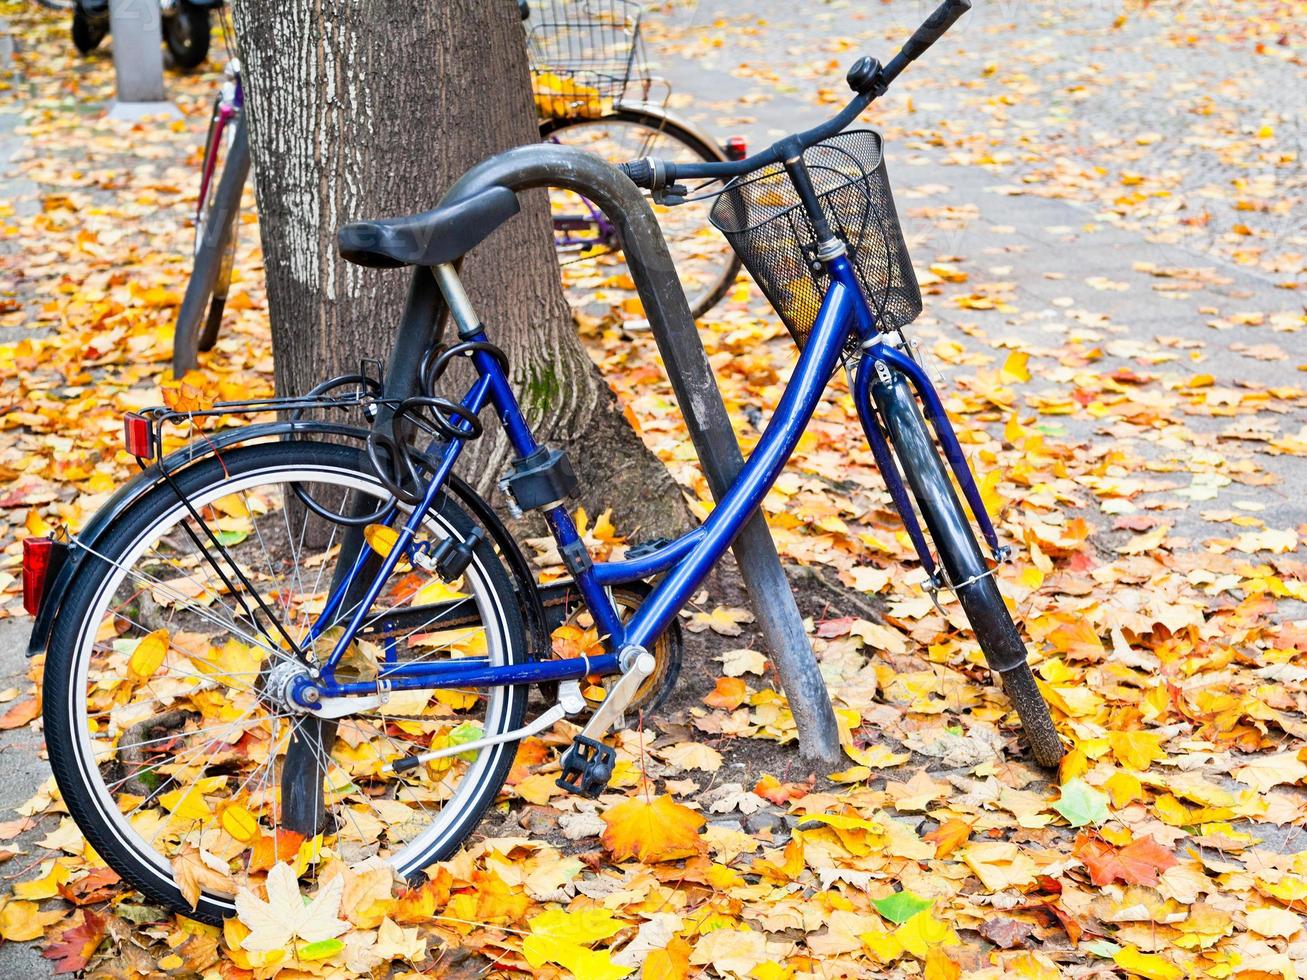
640	172
934	27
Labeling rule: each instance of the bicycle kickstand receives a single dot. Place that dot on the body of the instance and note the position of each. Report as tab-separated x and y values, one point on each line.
588	763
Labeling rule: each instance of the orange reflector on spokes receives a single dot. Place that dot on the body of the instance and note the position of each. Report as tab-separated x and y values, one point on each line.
380	538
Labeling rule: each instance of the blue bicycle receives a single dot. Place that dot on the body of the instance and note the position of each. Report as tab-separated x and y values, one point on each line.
308	637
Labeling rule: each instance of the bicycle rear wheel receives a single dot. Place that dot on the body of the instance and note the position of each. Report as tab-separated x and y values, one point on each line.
166	715
963	562
595	276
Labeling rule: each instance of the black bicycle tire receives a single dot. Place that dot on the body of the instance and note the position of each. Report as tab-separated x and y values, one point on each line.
208	259
212	322
200	26
963	562
60	726
706	151
222	286
87	33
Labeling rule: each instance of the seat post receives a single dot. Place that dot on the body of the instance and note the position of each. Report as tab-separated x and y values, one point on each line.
460	307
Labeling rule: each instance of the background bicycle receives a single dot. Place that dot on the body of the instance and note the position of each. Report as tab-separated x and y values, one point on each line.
224	170
593	90
186	26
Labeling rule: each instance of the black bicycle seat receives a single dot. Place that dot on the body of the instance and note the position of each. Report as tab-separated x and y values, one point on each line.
443	234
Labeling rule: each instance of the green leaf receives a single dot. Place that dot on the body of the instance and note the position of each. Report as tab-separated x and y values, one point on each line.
1081	804
464	733
230	538
901	906
320	950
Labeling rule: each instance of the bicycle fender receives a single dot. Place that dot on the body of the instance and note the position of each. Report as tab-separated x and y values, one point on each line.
676	119
151	477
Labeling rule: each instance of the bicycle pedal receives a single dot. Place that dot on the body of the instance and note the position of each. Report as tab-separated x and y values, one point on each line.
587	767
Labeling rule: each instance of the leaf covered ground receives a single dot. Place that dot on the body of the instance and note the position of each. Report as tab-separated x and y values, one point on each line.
1114	297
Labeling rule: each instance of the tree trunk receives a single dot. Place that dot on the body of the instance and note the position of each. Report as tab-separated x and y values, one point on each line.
372	109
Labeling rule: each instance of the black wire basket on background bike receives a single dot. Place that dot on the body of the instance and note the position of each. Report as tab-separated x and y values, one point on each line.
761	216
584	54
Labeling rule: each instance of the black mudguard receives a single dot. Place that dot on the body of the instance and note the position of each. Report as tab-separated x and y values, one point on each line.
136	488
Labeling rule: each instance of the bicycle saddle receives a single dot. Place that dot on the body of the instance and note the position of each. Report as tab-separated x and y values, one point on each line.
444	234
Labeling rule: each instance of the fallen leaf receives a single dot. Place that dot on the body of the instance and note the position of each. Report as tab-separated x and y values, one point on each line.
663	830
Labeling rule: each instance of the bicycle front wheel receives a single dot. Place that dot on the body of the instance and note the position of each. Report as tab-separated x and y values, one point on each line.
166	715
961	558
200	314
595	276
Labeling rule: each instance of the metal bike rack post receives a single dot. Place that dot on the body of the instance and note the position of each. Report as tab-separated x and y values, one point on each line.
647	256
138	61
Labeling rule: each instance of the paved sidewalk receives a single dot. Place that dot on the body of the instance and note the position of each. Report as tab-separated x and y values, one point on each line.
1141	306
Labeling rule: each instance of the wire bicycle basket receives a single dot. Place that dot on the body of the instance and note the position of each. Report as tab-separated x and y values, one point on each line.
763	219
583	54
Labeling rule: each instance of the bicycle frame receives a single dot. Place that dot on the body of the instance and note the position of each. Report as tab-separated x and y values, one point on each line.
685	561
228	107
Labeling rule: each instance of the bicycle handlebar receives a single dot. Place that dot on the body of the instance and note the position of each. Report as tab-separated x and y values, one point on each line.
931	30
867	77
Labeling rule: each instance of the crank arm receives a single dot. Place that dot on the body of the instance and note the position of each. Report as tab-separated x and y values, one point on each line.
570	701
610	712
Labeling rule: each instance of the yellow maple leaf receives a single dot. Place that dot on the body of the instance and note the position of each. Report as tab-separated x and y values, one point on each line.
1137	750
923	932
1147	965
659	831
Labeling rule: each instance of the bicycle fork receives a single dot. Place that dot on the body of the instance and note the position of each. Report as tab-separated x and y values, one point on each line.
880	386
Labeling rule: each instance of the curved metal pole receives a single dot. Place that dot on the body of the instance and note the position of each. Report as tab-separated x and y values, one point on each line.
647	256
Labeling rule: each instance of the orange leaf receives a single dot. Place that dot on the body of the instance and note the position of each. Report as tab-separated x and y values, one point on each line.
269	850
773	790
420	904
76	944
19	714
659	831
670	963
949	836
1138	863
940	967
729	693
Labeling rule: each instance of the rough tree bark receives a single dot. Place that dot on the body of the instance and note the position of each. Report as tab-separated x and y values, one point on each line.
372	108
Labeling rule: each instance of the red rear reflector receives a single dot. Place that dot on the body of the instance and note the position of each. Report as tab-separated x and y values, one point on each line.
138	435
737	148
36	568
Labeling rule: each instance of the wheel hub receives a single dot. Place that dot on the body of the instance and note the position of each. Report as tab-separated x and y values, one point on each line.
279	685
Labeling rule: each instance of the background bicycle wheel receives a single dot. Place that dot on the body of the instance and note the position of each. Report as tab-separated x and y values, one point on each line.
595	276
